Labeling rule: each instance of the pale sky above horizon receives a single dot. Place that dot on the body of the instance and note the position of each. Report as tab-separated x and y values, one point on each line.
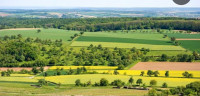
92	3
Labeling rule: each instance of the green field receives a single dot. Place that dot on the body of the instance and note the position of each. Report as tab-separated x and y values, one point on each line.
122	40
126	45
193	45
134	38
19	85
182	35
53	34
136	34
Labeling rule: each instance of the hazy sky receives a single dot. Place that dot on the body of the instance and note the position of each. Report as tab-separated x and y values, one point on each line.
92	3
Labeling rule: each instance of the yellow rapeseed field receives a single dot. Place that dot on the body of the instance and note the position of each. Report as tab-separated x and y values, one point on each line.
18	78
138	72
70	79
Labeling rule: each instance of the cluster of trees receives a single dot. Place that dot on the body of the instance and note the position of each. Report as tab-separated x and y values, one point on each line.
178	58
16	51
119	83
187	74
97	55
6	73
103	24
174	41
61	71
35	70
156	74
150	73
75	35
102	82
192	89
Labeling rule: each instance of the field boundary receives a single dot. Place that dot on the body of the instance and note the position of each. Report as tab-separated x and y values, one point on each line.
186	39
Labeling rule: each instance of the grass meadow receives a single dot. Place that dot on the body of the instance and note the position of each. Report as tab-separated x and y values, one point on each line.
127	45
123	40
183	35
130	35
53	34
193	45
134	38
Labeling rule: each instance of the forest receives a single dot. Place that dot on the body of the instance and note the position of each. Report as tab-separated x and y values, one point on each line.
103	24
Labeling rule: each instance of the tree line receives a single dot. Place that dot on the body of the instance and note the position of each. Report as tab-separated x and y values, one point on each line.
103	24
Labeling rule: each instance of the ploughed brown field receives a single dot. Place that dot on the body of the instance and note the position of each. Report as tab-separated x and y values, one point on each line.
19	68
167	66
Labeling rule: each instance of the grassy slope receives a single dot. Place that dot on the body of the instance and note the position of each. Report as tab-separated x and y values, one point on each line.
52	34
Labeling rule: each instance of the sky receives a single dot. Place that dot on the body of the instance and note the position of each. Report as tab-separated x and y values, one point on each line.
30	4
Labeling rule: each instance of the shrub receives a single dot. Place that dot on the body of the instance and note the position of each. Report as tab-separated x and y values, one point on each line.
117	83
104	82
153	82
156	73
131	80
187	74
116	72
167	74
149	73
152	92
164	85
139	81
142	73
42	82
78	82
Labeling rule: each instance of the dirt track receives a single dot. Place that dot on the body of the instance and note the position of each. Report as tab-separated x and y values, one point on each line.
167	66
19	68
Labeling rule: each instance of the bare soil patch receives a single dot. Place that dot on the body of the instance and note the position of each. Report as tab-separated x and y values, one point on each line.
4	14
58	14
19	68
167	66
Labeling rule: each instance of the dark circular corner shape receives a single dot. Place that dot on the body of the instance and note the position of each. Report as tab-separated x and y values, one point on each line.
181	2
